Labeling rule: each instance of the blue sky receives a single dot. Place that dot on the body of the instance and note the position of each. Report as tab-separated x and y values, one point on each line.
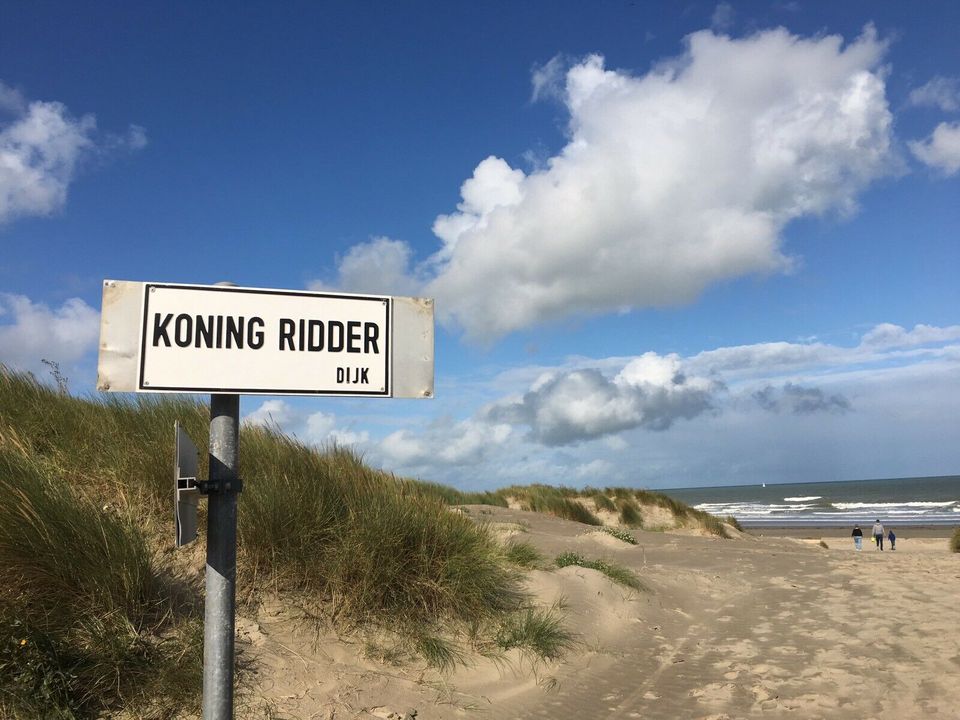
671	244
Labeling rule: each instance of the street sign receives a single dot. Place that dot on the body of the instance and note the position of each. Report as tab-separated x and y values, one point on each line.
186	493
163	337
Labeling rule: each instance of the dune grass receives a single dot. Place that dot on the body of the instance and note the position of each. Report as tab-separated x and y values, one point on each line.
617	573
88	621
523	554
357	547
955	541
560	502
538	631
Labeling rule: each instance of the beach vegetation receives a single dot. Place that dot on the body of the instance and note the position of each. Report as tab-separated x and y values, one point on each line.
734	523
955	541
523	554
618	573
823	544
557	501
602	502
629	512
108	615
621	534
539	631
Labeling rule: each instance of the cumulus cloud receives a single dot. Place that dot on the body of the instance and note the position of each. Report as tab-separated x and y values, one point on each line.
467	442
379	266
800	400
32	331
941	150
940	92
888	335
41	146
669	181
650	392
317	428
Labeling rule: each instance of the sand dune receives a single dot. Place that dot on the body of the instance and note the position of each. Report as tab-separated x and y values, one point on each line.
726	629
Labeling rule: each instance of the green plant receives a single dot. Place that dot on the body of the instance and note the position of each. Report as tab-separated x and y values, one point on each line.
86	620
540	631
524	554
734	523
602	502
620	534
955	541
617	573
630	512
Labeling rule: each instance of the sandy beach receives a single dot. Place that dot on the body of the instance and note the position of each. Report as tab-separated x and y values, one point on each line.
753	627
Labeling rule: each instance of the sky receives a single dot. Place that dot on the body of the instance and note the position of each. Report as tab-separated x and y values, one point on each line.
670	244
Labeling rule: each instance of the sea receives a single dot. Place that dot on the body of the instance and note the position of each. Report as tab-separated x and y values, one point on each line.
903	501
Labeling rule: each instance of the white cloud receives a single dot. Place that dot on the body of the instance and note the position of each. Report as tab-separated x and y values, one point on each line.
941	150
722	17
940	92
565	408
467	442
316	428
380	266
40	150
32	331
272	413
887	335
669	182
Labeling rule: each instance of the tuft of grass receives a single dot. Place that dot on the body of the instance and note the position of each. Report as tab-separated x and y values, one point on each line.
629	512
734	523
558	501
86	618
617	573
955	541
602	502
823	544
523	554
539	631
621	534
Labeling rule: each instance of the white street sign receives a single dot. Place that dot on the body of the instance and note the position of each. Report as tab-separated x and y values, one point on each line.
163	337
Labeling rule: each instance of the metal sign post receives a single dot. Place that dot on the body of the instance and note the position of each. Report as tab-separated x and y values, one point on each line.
221	574
225	340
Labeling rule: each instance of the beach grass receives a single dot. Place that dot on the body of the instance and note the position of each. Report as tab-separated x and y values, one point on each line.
617	573
955	541
523	554
539	631
89	621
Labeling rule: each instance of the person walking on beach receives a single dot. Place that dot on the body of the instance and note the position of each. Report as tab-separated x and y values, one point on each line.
857	537
893	539
878	534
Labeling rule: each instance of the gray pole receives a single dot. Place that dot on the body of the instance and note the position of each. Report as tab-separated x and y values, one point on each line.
218	629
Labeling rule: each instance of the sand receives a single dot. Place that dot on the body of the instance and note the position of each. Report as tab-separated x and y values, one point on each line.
754	627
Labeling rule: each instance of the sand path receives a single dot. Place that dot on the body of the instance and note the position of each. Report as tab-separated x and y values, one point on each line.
726	630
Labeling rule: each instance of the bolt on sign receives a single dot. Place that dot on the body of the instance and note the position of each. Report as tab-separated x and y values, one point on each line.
163	337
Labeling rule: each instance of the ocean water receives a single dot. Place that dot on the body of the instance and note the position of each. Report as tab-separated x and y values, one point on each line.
903	501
